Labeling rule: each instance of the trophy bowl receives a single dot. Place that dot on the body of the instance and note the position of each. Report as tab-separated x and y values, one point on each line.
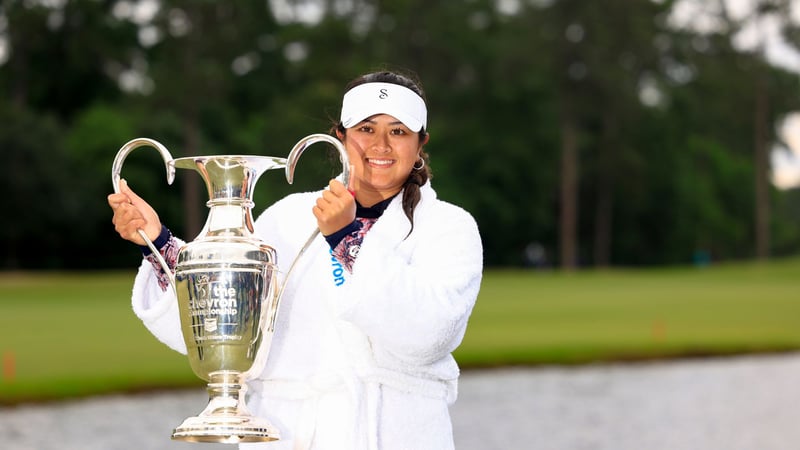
225	294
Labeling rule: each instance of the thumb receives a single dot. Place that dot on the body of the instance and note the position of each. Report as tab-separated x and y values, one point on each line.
125	189
351	183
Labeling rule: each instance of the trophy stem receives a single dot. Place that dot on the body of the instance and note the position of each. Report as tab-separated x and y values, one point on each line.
226	418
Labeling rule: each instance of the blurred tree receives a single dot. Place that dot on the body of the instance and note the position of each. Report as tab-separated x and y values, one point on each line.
34	175
570	73
60	54
194	52
91	153
725	81
602	131
597	68
618	55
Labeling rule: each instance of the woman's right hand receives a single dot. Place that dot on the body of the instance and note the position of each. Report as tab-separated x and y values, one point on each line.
131	214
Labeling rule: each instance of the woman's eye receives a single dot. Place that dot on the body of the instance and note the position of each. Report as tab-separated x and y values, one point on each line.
365	128
398	131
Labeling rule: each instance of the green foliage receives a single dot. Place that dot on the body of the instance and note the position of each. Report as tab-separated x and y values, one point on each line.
34	174
786	236
658	180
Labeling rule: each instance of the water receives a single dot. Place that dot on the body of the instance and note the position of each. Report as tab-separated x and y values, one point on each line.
747	403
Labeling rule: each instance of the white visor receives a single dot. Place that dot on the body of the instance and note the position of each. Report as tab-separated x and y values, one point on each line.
368	99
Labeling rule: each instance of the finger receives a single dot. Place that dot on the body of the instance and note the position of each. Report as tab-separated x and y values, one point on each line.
125	189
122	197
117	200
322	203
127	221
351	183
336	187
332	194
123	186
127	214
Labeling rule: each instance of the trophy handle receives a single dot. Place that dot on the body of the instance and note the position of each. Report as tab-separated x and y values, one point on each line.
303	144
116	168
291	163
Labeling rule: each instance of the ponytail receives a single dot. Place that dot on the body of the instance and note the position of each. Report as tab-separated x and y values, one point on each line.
416	179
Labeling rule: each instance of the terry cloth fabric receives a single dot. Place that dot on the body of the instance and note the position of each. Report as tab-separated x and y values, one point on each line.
356	364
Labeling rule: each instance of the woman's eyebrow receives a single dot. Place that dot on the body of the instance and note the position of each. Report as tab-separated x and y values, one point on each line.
373	122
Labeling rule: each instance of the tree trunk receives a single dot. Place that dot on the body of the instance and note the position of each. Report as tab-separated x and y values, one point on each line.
193	81
761	167
191	183
18	66
602	225
605	194
569	191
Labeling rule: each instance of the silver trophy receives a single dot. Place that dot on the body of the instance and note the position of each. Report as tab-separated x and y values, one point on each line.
228	287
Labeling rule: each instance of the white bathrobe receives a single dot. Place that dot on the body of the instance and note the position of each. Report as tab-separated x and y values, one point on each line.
359	360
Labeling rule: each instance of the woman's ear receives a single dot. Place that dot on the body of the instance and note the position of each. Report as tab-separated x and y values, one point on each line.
339	134
425	140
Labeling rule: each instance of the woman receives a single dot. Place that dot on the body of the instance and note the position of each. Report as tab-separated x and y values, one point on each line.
361	357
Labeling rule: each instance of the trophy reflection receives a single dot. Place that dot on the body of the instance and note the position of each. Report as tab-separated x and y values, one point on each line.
227	284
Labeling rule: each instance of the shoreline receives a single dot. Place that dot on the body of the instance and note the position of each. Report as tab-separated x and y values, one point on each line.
197	384
725	403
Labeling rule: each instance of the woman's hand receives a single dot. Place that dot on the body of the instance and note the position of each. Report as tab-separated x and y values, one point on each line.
131	214
335	209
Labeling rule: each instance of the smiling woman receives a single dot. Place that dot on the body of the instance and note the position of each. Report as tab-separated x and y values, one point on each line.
362	353
384	151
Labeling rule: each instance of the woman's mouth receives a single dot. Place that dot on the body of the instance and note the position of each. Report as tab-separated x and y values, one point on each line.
380	162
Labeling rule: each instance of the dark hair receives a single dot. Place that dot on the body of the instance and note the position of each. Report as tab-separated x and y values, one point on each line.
418	177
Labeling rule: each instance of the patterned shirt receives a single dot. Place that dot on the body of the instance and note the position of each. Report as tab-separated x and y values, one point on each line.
346	251
346	243
168	247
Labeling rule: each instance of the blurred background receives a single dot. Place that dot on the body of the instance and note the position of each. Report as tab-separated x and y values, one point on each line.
578	133
661	135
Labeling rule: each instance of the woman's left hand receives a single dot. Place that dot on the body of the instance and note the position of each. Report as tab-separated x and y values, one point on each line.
335	209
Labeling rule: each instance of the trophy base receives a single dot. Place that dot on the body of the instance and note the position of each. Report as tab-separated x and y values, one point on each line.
226	418
225	430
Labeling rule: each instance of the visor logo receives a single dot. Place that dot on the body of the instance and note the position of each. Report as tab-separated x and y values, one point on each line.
383	94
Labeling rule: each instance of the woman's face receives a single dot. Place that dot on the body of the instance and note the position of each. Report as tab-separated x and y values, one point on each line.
383	152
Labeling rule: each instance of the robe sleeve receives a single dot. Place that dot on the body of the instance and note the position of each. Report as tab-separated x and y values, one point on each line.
157	308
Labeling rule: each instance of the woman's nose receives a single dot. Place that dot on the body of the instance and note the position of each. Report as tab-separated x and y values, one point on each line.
381	143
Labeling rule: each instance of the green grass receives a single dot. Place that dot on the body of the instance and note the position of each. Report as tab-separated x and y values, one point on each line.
565	318
74	334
